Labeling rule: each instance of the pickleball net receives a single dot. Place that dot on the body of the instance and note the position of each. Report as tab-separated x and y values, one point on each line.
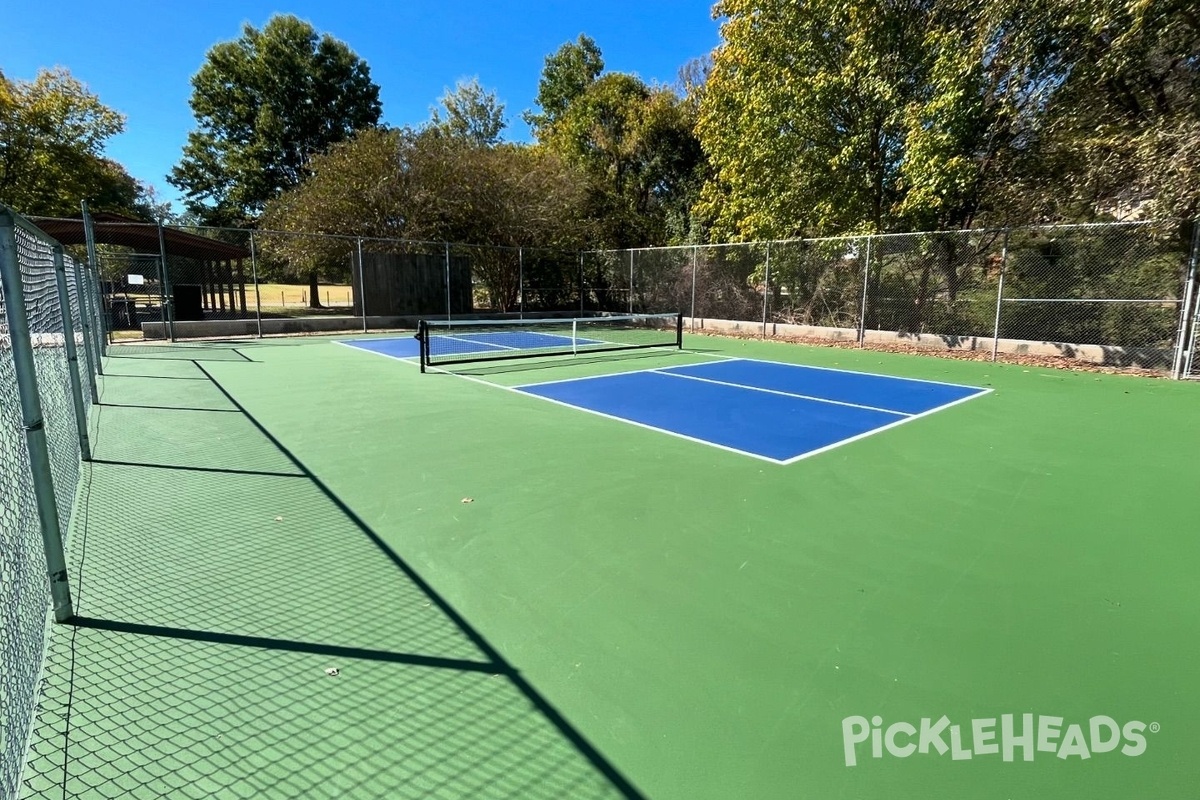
461	341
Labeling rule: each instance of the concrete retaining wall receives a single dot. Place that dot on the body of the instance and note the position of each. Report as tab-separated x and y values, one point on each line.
249	327
1109	355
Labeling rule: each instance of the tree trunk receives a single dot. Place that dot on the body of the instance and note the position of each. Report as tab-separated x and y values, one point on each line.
314	291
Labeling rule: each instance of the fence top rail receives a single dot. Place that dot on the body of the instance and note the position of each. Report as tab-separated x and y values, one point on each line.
24	224
442	244
1156	300
1065	226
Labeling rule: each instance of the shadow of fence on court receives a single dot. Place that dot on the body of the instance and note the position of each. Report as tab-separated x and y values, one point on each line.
241	632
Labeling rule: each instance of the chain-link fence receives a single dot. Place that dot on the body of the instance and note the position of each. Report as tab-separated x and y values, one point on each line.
1108	293
48	350
1112	294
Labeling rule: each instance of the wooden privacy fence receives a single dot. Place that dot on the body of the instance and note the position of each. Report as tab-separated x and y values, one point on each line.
400	284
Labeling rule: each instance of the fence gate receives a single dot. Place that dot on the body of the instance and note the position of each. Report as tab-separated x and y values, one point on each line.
1191	365
133	289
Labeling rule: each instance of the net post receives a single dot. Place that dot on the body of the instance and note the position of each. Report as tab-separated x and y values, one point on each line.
574	337
679	331
68	324
32	420
423	342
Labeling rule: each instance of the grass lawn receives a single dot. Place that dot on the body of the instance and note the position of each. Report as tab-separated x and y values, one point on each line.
284	295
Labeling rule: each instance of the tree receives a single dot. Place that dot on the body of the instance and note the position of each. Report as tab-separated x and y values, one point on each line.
637	144
424	185
567	73
52	136
471	112
1121	123
804	112
827	117
265	104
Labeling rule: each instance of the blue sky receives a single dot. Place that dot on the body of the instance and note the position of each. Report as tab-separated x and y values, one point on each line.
139	56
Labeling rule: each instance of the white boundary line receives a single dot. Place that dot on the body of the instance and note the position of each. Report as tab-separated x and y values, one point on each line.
883	428
663	371
858	372
521	391
476	341
611	374
351	344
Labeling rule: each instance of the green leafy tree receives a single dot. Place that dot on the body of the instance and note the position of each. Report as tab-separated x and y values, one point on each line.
567	73
265	104
638	146
803	114
424	185
470	112
1122	123
52	136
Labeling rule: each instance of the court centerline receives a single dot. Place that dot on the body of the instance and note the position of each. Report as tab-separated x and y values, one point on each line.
611	374
748	387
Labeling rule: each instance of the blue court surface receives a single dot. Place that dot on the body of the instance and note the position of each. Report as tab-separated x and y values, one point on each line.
401	347
773	411
475	343
777	412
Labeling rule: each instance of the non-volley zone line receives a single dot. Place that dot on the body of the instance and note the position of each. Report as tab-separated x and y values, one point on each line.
769	410
404	347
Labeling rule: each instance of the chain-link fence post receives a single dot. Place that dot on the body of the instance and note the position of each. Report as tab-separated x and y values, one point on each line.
630	280
448	315
1000	295
521	282
766	289
254	278
362	294
89	237
1185	339
581	286
862	312
68	324
32	420
86	301
692	315
101	330
168	310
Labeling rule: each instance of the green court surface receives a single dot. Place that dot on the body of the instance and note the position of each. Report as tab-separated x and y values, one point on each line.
523	600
